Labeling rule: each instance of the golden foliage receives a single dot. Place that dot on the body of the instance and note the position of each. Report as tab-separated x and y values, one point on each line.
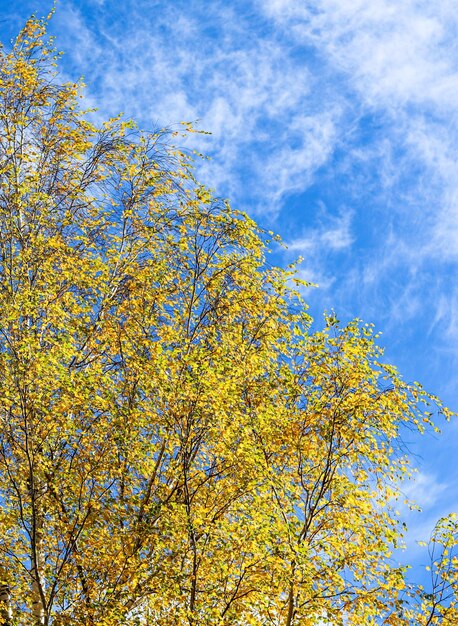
176	445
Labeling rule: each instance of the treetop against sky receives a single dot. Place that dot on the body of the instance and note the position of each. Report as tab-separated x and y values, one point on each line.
331	125
334	124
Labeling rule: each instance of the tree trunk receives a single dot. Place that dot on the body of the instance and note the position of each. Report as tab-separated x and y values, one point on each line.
38	598
5	599
37	574
291	599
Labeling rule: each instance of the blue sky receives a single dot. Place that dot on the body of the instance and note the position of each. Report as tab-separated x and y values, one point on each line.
334	123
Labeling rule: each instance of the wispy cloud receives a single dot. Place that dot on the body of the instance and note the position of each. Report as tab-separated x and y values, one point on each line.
402	61
333	234
396	53
189	62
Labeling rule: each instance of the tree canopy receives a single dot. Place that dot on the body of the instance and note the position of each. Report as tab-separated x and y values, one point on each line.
177	444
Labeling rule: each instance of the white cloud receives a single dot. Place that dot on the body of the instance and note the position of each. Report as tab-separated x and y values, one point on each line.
424	489
246	90
433	497
446	313
333	234
395	52
400	59
292	168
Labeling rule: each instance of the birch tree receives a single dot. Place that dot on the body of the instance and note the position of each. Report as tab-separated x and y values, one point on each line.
176	445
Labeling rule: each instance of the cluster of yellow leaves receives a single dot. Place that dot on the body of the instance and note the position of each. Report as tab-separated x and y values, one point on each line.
176	445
